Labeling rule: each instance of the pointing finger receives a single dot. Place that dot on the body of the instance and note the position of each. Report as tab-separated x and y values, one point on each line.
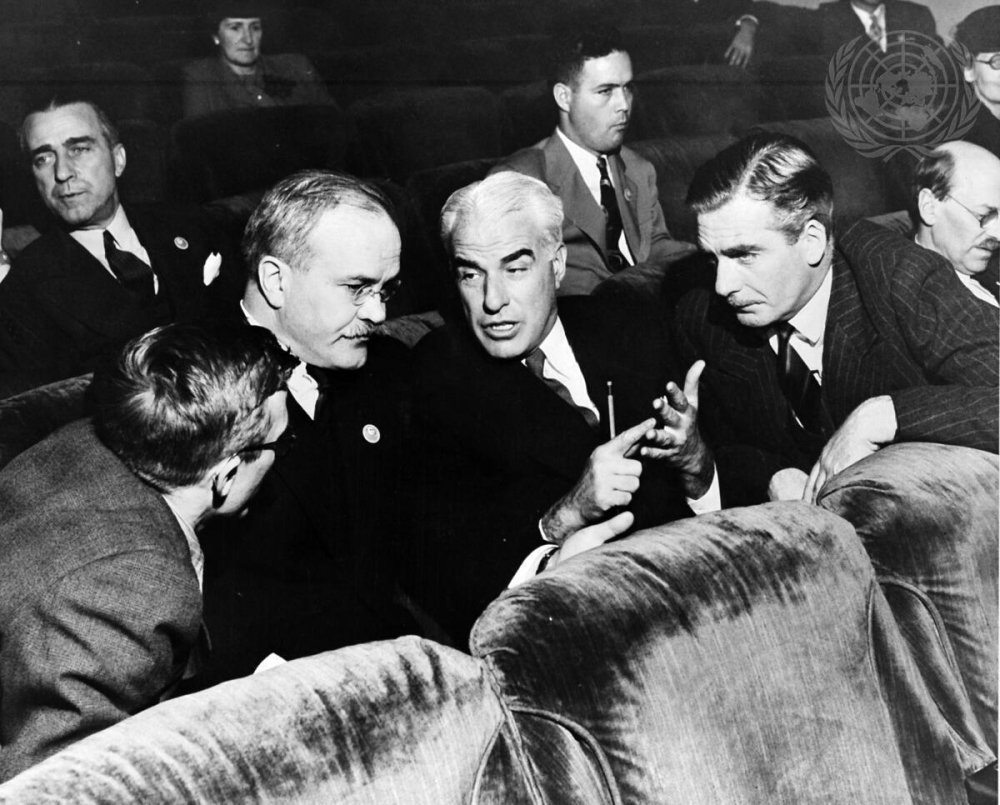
627	439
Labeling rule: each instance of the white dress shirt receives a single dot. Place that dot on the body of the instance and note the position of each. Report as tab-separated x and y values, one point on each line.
194	547
300	384
586	163
976	289
561	364
878	15
125	238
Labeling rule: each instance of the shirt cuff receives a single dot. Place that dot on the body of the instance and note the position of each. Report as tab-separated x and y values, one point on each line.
530	566
750	17
711	501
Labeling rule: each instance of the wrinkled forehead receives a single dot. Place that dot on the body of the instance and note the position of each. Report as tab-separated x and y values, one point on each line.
53	126
490	239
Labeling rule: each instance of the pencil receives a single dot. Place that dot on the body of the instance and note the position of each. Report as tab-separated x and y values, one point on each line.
611	412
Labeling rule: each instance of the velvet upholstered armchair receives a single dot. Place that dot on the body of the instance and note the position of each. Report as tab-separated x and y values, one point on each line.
747	656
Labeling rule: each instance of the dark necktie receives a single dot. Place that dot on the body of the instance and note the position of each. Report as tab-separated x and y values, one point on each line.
131	272
612	218
797	382
536	363
322	386
875	32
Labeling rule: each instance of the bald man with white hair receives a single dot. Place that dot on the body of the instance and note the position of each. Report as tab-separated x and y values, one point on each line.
958	192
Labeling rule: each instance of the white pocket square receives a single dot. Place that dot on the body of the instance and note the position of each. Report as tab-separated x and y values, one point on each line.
211	268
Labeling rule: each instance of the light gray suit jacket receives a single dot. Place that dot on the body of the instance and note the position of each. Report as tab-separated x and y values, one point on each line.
99	603
583	219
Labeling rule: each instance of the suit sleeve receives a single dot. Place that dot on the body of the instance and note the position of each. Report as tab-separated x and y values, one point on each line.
954	337
107	641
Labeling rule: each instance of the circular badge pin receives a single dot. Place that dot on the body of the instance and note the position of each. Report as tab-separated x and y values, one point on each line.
180	242
371	434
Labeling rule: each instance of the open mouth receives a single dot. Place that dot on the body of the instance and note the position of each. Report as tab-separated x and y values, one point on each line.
500	329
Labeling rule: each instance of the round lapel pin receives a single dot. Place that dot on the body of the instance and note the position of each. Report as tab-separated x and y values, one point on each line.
371	434
180	242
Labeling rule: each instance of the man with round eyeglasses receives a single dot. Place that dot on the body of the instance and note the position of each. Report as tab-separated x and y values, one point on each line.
958	190
311	566
977	39
103	526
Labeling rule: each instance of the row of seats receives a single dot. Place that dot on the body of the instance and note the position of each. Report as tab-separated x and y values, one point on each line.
227	160
391	133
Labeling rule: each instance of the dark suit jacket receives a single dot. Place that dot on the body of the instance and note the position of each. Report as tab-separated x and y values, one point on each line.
288	79
583	223
499	448
312	566
836	23
899	323
61	312
99	603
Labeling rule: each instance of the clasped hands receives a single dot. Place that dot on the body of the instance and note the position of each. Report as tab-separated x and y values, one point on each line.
612	475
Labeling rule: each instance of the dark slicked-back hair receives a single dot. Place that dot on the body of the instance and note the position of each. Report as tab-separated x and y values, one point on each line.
769	167
183	397
281	224
571	49
49	103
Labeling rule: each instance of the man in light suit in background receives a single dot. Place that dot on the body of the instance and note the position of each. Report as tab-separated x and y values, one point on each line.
100	595
613	220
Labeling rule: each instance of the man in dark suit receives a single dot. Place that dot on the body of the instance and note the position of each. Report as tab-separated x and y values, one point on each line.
957	191
312	565
100	276
894	348
522	440
838	22
819	354
100	601
613	217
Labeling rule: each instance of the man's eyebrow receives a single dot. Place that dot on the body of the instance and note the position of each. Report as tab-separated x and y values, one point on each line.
71	141
517	255
739	250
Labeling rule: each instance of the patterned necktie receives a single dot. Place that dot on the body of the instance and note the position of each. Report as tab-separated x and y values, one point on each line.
536	363
797	382
875	31
131	272
612	218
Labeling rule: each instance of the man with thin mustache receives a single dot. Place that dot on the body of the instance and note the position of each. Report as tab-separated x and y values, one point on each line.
311	565
613	221
958	190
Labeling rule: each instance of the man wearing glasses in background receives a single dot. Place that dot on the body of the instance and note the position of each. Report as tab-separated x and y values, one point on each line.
100	539
958	190
310	568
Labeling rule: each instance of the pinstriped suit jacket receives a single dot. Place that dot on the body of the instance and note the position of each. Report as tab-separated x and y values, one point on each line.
899	323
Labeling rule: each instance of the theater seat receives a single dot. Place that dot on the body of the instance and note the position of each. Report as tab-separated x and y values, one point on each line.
727	658
234	151
396	134
695	99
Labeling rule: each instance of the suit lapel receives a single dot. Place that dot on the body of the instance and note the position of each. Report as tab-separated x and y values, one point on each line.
579	207
79	289
847	340
170	256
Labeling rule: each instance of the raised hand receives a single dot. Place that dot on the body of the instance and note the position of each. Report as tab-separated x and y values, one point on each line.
608	481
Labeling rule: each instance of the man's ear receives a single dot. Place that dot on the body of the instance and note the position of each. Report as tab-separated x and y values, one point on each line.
223	474
273	277
969	72
559	264
118	155
814	240
927	206
562	94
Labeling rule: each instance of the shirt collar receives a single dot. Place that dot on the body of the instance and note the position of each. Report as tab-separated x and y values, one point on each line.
866	16
810	322
585	161
558	352
194	547
93	239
